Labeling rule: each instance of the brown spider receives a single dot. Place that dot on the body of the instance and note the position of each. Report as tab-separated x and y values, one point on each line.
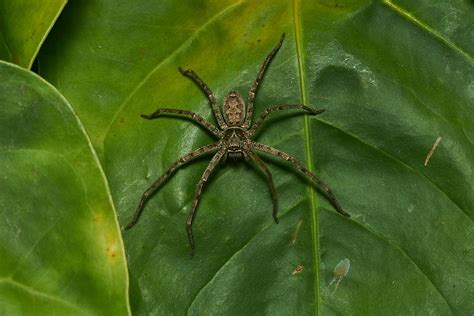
234	134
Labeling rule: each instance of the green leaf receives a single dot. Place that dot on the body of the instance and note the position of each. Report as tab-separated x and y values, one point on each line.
60	245
393	78
23	28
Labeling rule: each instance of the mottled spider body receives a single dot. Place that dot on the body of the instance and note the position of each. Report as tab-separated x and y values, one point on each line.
235	132
234	109
236	142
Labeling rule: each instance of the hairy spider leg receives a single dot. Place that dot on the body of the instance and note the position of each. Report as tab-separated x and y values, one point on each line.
256	125
261	164
189	223
186	114
212	99
261	72
276	152
156	185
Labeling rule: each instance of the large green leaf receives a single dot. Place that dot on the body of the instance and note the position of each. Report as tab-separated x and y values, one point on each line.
60	247
23	28
393	78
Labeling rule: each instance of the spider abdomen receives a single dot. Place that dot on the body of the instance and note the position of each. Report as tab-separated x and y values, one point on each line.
234	109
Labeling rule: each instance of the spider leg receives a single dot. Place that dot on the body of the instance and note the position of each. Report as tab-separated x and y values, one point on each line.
186	114
212	99
276	108
261	164
302	168
260	74
189	223
156	185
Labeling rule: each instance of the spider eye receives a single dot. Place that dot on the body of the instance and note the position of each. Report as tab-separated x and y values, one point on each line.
234	109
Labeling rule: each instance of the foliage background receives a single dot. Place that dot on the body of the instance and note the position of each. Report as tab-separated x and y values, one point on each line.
75	157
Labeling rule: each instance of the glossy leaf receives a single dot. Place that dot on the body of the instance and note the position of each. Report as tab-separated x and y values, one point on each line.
60	247
393	78
23	28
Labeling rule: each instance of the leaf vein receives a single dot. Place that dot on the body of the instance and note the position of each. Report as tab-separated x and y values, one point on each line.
410	17
168	58
396	247
401	162
35	292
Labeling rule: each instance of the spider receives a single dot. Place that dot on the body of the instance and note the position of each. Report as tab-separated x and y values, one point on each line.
235	133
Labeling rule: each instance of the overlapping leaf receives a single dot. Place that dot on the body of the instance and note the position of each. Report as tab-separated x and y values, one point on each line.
24	26
60	247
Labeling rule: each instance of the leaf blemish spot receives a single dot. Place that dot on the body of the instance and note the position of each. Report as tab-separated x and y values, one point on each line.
98	218
111	251
299	268
22	89
430	153
295	234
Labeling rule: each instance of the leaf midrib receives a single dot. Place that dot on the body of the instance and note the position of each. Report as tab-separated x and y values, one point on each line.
308	155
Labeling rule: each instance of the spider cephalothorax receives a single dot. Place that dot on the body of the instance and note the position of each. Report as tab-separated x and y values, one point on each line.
236	142
235	132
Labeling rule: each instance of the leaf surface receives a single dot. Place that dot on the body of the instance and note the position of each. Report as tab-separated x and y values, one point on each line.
60	245
24	26
393	79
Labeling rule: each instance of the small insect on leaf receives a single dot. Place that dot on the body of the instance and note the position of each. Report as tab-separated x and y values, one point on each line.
340	271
